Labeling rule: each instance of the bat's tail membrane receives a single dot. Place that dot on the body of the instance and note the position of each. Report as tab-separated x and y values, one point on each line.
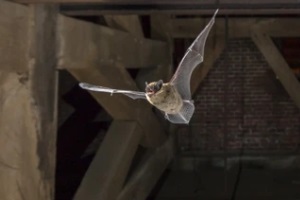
185	114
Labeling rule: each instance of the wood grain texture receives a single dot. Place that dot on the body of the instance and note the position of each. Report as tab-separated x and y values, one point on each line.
237	27
108	170
128	23
13	43
80	45
84	42
279	65
148	172
28	113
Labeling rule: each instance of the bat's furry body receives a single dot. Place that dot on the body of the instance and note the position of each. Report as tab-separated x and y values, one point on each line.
174	97
167	99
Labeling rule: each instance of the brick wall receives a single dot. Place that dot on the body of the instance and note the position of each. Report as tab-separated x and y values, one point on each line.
241	104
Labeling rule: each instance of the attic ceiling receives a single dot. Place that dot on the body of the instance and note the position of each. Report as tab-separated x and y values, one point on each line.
204	7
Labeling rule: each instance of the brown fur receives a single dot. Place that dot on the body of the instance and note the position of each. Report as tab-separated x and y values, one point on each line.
166	99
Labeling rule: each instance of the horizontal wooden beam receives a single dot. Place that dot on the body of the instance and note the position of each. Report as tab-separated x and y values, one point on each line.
13	44
266	3
276	61
80	45
237	27
148	172
75	10
106	175
99	45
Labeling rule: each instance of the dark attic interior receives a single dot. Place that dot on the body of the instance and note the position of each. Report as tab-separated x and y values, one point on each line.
60	142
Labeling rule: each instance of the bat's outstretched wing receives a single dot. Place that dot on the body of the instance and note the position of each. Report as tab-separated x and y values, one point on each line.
185	114
193	57
131	94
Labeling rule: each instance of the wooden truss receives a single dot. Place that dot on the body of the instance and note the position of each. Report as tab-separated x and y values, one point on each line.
35	41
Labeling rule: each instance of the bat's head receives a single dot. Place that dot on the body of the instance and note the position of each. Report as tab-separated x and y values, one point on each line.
153	87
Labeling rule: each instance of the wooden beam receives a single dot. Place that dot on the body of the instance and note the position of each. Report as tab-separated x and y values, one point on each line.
277	63
28	111
44	85
237	27
175	2
121	107
279	27
106	175
128	23
148	172
99	45
118	106
82	47
160	30
13	44
73	10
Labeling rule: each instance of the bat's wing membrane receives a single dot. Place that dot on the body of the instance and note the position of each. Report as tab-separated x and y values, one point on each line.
131	94
185	114
193	57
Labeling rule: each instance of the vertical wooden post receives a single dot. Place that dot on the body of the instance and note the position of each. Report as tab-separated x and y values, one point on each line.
43	87
28	104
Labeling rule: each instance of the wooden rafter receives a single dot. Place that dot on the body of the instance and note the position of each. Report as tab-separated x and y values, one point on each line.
148	172
81	44
156	161
205	3
237	27
128	23
73	11
108	170
88	43
276	61
160	30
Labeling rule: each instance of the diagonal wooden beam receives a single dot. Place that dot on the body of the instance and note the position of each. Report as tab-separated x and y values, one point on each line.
276	61
148	172
81	43
128	23
106	175
95	44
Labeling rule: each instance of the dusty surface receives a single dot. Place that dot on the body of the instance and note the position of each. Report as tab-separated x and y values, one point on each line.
20	176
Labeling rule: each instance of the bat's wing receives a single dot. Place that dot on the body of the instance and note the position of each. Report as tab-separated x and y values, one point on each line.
131	94
193	57
185	114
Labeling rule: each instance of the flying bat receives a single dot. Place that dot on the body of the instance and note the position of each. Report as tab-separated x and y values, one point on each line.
174	97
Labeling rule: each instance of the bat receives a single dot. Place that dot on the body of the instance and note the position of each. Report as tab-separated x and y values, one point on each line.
174	97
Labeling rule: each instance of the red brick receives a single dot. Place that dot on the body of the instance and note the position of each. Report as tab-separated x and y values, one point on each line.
241	102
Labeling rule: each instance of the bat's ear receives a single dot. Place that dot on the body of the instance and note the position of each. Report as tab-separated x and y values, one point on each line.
160	83
146	83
